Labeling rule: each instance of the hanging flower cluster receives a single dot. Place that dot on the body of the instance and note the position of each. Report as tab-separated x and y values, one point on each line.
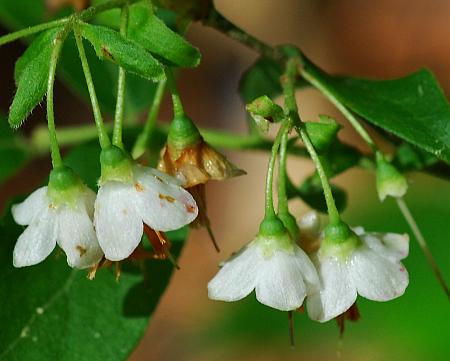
87	227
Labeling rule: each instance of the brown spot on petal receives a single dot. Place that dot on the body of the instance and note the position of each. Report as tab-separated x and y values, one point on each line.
81	250
166	197
159	179
190	208
51	206
125	211
139	187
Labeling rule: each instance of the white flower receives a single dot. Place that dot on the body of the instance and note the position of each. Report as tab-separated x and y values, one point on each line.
277	269
371	269
50	221
151	197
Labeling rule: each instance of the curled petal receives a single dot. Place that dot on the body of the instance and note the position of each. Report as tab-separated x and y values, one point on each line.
23	213
390	245
37	241
237	277
280	283
76	236
337	292
376	277
118	224
161	204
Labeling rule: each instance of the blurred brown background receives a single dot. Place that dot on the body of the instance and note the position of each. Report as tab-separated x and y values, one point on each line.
385	38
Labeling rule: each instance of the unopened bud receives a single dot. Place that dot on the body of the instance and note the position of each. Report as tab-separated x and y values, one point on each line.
322	133
390	182
264	111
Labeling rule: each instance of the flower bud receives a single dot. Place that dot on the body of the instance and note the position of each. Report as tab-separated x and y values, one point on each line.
322	133
263	110
390	182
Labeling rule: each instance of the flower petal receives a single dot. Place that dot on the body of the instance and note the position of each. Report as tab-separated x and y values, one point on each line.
163	205
37	241
309	273
280	283
76	236
237	277
390	245
119	227
24	212
376	277
337	293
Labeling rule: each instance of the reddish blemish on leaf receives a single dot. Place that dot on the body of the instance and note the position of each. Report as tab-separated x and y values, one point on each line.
166	197
106	53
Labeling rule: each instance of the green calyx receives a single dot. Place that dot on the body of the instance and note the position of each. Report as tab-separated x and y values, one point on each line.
183	133
291	225
390	182
115	165
339	240
272	236
64	185
322	133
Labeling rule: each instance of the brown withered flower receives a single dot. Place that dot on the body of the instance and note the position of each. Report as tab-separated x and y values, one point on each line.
187	157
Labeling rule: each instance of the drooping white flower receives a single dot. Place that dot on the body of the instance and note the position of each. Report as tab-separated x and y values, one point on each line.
57	217
275	267
370	267
147	196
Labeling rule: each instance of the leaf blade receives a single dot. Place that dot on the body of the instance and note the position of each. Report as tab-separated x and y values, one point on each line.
110	45
413	107
31	75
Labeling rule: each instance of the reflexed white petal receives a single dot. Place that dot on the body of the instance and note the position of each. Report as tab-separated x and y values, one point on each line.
24	212
76	236
237	277
308	270
376	277
119	227
390	245
280	282
338	292
37	241
163	205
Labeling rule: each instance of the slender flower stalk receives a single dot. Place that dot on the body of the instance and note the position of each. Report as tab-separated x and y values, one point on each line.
118	117
269	208
102	134
282	175
54	147
143	139
288	82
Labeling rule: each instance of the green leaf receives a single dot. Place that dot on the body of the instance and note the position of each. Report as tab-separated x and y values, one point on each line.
55	313
154	35
413	108
13	153
31	74
110	45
